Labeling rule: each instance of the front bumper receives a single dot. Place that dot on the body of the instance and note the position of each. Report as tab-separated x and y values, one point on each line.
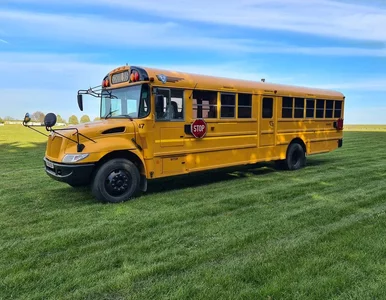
69	173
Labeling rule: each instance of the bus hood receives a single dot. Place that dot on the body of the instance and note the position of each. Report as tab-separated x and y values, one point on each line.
97	129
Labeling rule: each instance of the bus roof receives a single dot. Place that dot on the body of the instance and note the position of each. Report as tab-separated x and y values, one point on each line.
199	81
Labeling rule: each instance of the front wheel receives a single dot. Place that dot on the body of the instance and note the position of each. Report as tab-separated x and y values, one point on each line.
117	180
296	157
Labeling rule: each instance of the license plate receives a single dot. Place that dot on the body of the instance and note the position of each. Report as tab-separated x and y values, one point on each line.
49	164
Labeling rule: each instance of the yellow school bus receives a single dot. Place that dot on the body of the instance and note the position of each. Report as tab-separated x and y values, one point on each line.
158	123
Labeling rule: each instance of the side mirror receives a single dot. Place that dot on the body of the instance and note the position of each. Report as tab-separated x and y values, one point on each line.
27	118
159	103
50	120
80	102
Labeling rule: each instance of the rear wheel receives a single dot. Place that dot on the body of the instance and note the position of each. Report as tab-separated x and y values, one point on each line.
296	157
115	181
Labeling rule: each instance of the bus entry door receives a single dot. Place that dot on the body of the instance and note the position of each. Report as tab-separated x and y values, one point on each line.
267	122
169	132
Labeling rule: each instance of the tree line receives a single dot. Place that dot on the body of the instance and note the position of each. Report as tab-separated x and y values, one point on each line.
38	116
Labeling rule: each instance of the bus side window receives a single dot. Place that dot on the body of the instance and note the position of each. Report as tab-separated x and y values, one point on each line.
163	107
299	108
267	112
228	103
310	108
319	108
338	109
245	106
204	104
177	104
287	107
329	108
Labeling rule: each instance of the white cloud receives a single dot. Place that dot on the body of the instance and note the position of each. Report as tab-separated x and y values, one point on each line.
3	41
31	70
330	18
93	30
320	17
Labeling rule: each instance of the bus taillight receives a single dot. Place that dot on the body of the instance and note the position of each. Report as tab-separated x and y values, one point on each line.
338	124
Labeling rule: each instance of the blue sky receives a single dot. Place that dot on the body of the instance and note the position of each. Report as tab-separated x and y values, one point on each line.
49	49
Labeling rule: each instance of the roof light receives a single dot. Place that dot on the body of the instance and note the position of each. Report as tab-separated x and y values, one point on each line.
105	83
134	76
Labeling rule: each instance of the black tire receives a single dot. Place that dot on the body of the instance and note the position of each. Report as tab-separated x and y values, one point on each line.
116	181
296	157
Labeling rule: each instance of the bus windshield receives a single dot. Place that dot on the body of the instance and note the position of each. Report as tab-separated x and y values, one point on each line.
128	102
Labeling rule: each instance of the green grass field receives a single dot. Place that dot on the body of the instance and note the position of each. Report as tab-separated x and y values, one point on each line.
317	233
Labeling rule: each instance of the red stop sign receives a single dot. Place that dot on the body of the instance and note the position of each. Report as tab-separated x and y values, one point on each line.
198	128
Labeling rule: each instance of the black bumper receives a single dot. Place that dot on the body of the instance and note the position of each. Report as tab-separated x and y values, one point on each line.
71	174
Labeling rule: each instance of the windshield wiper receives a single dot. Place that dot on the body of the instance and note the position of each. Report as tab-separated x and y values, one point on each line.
131	119
110	114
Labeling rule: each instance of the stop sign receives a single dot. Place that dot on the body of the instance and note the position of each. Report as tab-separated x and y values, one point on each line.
198	128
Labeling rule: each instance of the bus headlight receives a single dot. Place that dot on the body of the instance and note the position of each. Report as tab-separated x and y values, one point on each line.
72	158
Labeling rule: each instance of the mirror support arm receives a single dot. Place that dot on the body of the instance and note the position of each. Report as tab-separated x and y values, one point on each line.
30	127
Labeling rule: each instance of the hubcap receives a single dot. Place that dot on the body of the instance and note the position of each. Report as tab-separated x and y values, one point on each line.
117	182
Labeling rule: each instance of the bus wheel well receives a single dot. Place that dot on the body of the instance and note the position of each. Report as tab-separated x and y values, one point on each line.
129	156
124	154
300	142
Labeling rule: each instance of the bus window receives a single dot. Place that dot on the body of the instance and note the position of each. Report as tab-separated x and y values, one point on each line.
287	106
228	103
244	108
319	108
310	108
204	104
144	103
299	108
267	112
329	108
163	112
172	106
338	109
177	103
